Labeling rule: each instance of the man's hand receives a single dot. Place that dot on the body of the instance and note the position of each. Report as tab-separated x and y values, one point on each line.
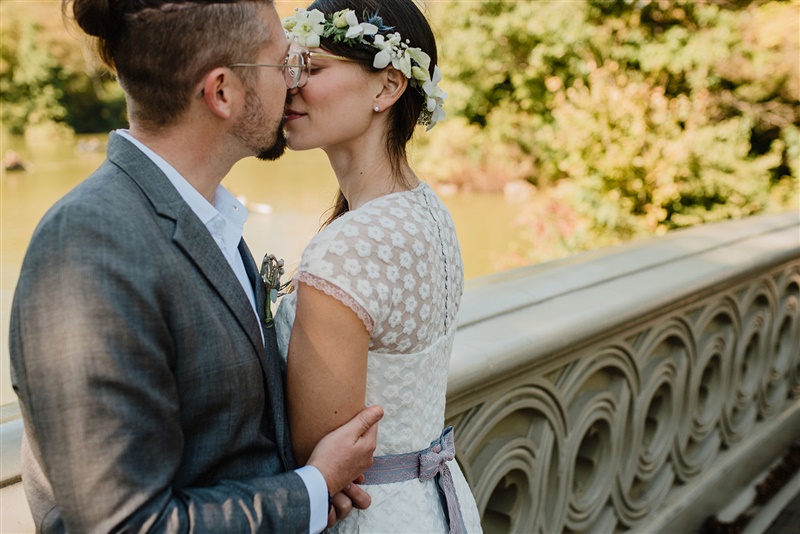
344	454
350	497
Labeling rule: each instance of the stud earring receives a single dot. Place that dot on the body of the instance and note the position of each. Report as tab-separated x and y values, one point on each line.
377	109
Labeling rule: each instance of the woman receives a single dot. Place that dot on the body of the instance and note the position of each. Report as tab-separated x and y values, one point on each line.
378	289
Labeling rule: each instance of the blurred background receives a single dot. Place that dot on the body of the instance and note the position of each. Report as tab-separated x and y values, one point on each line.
572	125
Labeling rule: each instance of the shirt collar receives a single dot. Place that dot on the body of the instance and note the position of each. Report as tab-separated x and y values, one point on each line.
204	210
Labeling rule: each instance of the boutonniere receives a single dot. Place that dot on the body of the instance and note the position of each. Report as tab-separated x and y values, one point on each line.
271	271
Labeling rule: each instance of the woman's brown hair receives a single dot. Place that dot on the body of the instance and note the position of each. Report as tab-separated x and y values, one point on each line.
404	17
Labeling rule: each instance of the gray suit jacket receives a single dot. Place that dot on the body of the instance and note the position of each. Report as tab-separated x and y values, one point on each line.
149	400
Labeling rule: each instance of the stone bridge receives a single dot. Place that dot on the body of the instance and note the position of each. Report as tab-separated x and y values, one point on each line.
650	387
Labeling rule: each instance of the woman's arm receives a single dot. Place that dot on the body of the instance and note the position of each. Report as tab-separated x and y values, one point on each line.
326	368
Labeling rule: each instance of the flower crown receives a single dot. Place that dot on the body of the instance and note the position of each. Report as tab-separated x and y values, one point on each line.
306	27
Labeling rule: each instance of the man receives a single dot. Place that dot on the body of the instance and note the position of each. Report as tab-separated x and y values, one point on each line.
148	379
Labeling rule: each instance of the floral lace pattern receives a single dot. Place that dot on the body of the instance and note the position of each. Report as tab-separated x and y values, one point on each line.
396	262
338	294
398	258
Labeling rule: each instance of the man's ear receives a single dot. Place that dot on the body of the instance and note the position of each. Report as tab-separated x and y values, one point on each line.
218	90
394	85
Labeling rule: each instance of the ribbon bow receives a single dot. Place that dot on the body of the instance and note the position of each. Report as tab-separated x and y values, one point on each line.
432	461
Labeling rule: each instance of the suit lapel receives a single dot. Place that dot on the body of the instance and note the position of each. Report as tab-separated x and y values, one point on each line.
274	371
194	240
189	234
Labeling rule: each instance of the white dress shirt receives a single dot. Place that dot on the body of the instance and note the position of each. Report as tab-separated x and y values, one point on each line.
225	222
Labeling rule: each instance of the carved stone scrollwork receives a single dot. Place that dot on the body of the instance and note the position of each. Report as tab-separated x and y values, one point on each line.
514	447
597	391
655	421
785	369
602	438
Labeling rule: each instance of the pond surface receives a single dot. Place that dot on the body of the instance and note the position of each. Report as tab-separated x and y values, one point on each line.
286	200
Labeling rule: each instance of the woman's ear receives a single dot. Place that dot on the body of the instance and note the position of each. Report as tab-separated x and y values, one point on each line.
217	92
394	85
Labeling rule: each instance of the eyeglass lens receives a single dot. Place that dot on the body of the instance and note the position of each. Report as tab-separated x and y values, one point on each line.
296	69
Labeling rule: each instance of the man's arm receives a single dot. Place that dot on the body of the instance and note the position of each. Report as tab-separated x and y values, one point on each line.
93	359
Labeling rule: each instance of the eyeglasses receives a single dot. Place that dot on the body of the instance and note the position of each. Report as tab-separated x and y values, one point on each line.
292	67
297	67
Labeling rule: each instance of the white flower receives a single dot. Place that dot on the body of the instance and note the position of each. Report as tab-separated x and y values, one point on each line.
363	248
375	233
289	23
409	282
394	318
397	212
351	266
362	218
340	18
401	347
383	291
402	62
338	247
364	288
398	240
411	307
384	57
392	273
410	227
405	260
307	27
325	269
397	295
418	247
409	326
435	97
390	338
389	224
385	253
424	291
373	271
356	29
422	268
422	332
425	312
350	230
422	59
420	74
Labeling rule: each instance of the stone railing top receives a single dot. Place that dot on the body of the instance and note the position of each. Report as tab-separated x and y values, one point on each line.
568	302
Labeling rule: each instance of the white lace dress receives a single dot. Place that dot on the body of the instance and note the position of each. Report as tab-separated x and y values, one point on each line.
396	262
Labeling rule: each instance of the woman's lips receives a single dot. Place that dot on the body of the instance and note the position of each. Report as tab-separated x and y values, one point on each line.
292	115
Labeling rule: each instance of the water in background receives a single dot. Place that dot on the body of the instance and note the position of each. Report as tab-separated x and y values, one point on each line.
286	200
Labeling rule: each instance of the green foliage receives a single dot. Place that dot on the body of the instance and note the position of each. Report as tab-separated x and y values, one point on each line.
633	117
46	81
26	81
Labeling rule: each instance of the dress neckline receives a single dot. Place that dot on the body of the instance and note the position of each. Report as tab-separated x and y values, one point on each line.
417	189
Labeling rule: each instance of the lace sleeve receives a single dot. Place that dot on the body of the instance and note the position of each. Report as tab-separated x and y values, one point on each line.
337	293
338	262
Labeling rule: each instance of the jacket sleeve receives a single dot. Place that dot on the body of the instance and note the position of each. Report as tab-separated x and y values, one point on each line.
93	361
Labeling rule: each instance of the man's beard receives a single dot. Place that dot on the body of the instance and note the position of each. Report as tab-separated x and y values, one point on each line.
251	130
278	147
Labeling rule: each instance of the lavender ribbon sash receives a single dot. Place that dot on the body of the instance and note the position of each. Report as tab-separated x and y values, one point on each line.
423	465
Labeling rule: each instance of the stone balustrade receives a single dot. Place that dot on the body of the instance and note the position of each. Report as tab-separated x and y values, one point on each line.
644	387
